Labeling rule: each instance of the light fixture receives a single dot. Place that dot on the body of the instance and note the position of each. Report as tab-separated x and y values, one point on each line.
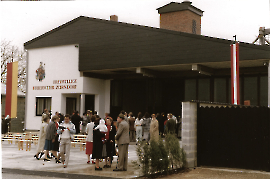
265	64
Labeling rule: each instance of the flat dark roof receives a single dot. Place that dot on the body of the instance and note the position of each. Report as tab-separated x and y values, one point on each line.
107	44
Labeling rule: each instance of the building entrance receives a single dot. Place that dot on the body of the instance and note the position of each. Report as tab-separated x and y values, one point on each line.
70	105
89	103
147	95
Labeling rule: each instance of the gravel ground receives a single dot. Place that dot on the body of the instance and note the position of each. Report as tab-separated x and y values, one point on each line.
215	173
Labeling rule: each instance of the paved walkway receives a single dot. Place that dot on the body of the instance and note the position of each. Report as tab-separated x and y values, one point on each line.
22	161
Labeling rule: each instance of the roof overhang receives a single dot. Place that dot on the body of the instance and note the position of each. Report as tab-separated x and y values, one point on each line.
247	67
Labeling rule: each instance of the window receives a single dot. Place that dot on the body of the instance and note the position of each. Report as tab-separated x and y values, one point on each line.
220	90
190	89
204	89
263	91
194	27
250	90
43	103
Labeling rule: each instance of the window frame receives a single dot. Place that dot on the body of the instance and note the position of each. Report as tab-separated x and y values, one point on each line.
44	104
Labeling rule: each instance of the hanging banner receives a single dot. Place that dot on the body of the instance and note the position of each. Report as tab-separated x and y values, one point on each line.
235	94
11	89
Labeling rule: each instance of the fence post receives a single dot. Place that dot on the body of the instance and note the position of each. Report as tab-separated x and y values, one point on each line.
189	132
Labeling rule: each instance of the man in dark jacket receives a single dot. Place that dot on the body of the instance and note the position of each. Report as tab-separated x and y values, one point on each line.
122	138
131	121
170	125
75	119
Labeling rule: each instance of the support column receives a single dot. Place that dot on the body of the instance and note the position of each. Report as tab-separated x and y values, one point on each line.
82	104
189	132
107	95
269	83
97	102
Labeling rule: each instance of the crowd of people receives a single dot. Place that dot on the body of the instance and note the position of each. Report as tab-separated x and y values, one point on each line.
103	135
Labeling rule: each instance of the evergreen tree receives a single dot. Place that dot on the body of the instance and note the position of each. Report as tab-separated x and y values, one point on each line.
164	156
155	156
173	148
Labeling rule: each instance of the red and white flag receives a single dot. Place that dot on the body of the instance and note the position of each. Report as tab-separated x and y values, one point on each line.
235	94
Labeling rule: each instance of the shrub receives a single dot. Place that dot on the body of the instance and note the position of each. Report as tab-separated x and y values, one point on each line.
173	147
143	161
157	156
164	156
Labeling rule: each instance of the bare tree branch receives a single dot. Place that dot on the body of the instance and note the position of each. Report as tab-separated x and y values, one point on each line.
11	53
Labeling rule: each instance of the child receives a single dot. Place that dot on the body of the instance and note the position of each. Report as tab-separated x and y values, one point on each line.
138	126
66	129
102	127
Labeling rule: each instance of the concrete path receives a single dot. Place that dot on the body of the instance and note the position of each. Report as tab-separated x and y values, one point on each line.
13	159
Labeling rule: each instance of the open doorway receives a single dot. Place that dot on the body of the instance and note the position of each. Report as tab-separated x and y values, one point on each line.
89	103
70	105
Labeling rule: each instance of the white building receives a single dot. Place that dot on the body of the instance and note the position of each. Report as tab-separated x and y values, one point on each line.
109	66
63	88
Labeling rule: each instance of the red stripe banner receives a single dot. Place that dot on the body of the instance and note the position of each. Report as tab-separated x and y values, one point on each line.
11	90
235	92
8	90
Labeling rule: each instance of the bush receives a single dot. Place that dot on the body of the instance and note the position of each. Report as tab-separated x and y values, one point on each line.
157	156
164	156
143	154
176	154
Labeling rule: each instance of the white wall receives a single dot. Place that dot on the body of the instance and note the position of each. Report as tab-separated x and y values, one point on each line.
61	63
101	90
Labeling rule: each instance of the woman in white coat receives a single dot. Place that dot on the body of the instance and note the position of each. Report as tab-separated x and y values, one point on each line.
89	139
138	126
41	137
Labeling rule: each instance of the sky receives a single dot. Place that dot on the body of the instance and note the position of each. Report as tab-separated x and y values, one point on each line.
23	21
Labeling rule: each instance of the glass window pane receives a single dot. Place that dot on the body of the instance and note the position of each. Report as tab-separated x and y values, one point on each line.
116	93
48	104
40	105
263	91
190	89
43	103
250	90
204	90
220	90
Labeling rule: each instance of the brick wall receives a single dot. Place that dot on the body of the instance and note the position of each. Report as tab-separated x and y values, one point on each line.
180	21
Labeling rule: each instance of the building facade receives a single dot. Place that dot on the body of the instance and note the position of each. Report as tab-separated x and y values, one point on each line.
109	66
61	87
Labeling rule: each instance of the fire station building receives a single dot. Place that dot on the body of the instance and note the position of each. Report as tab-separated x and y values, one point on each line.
109	66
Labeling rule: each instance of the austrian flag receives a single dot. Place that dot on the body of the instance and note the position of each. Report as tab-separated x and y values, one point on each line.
235	94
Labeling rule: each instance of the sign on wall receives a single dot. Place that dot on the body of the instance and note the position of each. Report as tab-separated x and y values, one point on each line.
60	84
40	72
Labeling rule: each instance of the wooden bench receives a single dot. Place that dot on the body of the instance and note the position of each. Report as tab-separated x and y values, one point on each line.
19	138
80	140
29	138
8	137
35	139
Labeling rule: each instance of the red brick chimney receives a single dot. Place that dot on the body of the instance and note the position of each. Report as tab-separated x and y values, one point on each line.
114	18
181	17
